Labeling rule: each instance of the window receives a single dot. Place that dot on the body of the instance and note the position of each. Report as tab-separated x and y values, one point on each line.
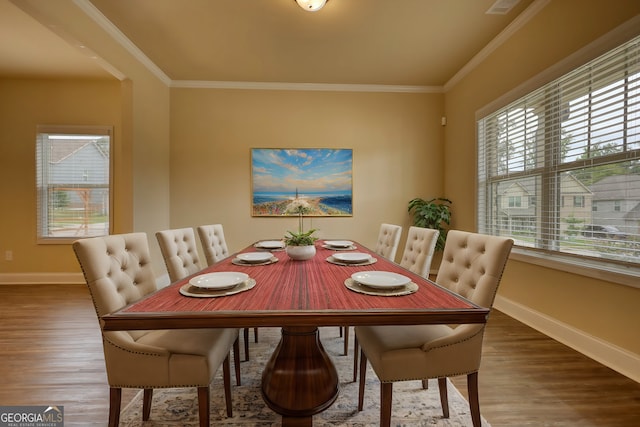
73	182
576	138
515	201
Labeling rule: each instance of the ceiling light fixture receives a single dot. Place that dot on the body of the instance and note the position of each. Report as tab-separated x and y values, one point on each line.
311	5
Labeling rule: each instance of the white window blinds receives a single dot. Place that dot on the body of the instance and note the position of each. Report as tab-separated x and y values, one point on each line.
559	169
73	182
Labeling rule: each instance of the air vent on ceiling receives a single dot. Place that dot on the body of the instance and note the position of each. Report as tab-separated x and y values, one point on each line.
501	7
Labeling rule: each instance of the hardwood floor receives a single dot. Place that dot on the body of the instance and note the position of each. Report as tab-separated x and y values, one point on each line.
529	379
51	354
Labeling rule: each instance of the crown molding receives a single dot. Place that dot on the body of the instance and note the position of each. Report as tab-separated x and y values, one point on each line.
494	44
326	87
90	10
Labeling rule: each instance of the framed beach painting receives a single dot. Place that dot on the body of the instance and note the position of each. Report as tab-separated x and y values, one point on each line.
321	179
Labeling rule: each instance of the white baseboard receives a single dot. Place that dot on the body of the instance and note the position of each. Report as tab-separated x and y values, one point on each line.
41	279
610	355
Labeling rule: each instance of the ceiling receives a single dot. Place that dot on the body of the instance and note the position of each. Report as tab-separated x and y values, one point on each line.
354	42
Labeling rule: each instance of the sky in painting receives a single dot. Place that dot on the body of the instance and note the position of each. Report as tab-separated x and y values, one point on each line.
308	170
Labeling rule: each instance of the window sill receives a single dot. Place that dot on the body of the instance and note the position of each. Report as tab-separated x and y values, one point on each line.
614	273
56	240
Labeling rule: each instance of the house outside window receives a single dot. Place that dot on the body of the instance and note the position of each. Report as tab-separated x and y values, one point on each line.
73	182
576	138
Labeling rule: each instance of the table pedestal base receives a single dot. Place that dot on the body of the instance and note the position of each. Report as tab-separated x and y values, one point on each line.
300	379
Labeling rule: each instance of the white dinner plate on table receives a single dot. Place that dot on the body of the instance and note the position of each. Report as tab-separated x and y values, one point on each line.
218	280
352	257
338	243
380	279
270	244
255	257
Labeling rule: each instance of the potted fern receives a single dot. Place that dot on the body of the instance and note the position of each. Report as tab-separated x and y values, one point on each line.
434	213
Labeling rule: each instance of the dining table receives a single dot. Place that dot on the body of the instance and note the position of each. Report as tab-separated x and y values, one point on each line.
300	379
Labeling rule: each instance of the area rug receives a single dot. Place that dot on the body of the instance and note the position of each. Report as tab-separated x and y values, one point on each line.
412	405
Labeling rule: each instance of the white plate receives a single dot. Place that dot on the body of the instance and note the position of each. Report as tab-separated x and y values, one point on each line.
338	243
380	279
255	257
271	244
219	280
352	257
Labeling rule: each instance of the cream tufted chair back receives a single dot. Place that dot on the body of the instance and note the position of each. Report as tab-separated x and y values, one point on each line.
388	240
213	242
180	252
472	265
419	249
117	269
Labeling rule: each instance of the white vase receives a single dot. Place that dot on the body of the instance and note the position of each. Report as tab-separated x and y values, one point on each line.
301	253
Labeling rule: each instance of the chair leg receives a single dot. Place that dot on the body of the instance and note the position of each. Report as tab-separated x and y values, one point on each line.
425	384
474	401
340	329
203	406
115	397
444	399
147	397
236	359
255	334
356	352
346	340
226	378
246	344
363	379
386	394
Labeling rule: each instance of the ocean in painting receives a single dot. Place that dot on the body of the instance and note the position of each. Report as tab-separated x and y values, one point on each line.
328	203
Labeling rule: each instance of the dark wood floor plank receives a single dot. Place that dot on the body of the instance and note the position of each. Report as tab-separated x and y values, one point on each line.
51	353
529	379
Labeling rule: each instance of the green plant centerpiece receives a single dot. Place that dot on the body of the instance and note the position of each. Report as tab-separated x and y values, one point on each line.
301	244
300	239
434	213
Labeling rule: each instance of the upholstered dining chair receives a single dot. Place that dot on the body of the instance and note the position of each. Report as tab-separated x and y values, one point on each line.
472	266
388	241
417	258
118	271
419	250
213	242
215	249
386	246
180	254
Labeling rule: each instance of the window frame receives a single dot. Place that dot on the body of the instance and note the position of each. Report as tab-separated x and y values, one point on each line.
607	270
43	201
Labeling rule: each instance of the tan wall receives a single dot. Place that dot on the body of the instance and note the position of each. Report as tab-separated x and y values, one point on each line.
144	116
24	104
602	309
397	155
